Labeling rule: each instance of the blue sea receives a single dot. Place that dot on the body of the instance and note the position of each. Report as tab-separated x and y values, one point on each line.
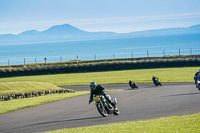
99	49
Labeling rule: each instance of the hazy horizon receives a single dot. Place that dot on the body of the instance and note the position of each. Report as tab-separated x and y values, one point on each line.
97	31
119	16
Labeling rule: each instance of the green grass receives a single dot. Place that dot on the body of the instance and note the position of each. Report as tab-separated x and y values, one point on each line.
182	74
25	87
16	104
175	124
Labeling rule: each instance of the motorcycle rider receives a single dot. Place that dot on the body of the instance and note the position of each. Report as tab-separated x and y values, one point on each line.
155	79
197	74
98	90
133	84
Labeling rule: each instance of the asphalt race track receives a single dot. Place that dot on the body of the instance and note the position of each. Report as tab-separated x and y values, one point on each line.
148	102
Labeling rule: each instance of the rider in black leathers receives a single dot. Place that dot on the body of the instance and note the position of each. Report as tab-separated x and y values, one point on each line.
98	90
133	84
155	79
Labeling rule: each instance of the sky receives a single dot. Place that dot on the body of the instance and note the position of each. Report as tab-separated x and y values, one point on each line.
120	16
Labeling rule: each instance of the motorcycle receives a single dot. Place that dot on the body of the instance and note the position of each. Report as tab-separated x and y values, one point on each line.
198	83
133	86
104	107
157	82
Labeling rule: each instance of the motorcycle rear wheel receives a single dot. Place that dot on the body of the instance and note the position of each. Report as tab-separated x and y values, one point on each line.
116	111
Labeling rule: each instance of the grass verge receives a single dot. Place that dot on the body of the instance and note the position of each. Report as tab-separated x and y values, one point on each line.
179	74
25	87
16	104
175	124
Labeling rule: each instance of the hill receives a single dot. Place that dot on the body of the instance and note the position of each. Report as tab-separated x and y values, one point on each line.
66	32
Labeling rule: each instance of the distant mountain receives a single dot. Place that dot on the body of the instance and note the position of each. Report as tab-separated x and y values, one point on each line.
65	29
8	36
29	33
166	32
67	32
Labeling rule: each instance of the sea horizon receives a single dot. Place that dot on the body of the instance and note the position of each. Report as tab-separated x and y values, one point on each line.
100	49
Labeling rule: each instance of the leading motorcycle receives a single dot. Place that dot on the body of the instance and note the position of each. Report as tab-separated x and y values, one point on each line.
104	107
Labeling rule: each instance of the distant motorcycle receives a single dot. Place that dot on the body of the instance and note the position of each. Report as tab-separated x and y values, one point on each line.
104	107
133	86
157	82
198	83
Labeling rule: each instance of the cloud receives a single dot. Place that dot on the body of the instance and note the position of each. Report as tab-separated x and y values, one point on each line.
135	19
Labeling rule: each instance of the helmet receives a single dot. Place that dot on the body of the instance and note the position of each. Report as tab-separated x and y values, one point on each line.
93	85
153	76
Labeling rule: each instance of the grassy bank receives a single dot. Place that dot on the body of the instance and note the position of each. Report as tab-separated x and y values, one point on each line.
92	62
99	65
26	87
7	88
182	74
16	104
180	124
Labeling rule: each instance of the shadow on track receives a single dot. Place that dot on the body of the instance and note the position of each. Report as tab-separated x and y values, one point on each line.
52	122
186	94
78	119
132	89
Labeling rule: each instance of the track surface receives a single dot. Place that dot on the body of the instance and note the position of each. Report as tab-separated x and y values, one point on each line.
148	102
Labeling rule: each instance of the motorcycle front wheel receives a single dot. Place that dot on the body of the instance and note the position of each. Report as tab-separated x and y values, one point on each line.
102	110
